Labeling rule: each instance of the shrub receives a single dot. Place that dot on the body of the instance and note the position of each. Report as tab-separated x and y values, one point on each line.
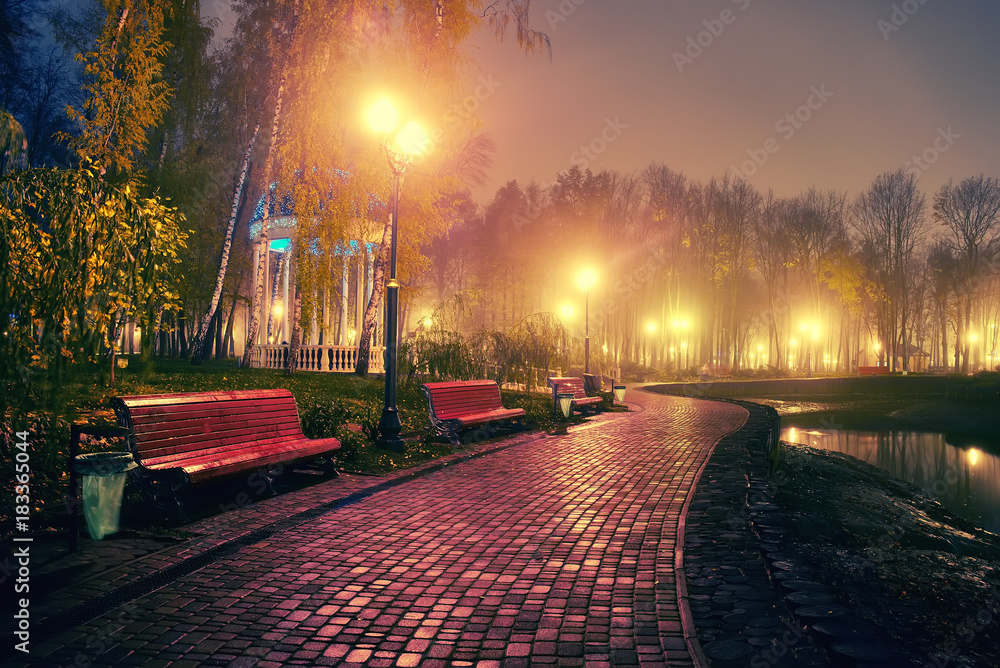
525	355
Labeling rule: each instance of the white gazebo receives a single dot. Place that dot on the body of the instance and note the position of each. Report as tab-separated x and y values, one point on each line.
330	342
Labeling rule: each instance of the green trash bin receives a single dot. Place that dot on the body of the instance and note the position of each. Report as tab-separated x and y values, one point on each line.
102	488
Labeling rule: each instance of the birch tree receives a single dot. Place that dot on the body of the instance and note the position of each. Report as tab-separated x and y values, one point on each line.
281	30
125	93
198	346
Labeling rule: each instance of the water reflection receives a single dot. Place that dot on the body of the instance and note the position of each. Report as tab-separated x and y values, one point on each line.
964	480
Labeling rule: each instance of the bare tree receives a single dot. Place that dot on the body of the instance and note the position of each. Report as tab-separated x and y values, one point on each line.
942	267
820	228
971	212
735	206
889	219
772	252
50	87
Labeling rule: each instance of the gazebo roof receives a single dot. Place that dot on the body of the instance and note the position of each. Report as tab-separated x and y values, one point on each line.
911	351
282	219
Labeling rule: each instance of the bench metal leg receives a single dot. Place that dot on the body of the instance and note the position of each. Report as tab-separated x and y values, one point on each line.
163	490
178	511
329	466
268	478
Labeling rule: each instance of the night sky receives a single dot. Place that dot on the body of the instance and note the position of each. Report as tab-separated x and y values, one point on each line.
869	85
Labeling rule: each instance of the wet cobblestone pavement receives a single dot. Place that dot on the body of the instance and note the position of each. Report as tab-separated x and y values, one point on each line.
558	550
754	600
740	618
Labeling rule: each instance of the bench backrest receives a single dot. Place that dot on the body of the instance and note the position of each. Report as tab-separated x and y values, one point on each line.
873	370
172	424
462	397
567	385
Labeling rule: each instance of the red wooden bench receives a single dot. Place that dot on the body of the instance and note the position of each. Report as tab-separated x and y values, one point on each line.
463	404
572	386
873	370
196	437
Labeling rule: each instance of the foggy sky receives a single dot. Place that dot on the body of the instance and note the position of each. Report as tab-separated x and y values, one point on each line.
886	81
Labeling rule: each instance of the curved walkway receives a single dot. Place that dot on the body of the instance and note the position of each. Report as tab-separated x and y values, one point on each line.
559	550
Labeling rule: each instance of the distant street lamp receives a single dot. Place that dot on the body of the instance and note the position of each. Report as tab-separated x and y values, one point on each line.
679	325
410	141
649	343
586	281
804	328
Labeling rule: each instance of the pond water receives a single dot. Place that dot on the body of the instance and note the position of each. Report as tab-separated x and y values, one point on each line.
965	479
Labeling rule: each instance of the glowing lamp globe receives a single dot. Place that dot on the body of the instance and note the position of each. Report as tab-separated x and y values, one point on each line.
383	117
586	279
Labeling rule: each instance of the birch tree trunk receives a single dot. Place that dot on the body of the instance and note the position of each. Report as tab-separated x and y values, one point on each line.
258	293
199	343
295	341
378	290
227	340
157	321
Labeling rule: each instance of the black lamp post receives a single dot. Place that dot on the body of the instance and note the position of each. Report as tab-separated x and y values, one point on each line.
586	280
586	332
389	426
383	117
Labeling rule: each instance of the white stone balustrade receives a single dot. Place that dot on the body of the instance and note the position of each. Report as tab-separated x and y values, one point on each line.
329	359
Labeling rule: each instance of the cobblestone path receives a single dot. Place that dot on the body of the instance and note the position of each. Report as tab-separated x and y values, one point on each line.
557	551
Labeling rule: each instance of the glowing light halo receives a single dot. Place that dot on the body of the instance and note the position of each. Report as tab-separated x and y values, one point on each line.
383	117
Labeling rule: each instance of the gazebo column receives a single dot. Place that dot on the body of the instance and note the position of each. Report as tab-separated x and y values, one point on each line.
256	274
319	322
323	322
370	283
286	307
359	291
343	304
256	261
265	302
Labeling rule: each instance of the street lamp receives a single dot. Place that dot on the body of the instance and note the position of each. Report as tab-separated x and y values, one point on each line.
679	325
586	281
649	343
410	141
